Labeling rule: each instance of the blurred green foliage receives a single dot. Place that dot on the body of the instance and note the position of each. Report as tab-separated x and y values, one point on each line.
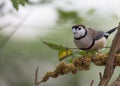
45	1
69	16
17	2
91	11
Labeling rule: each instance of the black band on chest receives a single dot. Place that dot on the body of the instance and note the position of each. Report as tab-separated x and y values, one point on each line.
93	42
81	36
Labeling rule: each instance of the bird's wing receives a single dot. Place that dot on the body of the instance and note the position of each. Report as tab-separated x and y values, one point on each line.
99	35
96	34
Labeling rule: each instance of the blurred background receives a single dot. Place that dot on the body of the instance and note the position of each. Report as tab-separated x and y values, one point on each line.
21	50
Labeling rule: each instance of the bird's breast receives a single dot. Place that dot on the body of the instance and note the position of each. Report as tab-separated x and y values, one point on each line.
83	43
87	42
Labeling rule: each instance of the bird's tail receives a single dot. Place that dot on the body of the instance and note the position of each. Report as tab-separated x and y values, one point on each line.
112	30
109	32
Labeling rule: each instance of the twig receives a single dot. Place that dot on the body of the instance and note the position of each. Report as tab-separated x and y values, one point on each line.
36	76
91	84
109	68
100	74
37	82
118	79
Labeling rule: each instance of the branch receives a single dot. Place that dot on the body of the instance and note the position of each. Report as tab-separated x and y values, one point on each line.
81	63
110	66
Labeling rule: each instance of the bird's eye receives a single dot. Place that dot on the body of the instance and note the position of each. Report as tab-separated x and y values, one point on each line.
79	28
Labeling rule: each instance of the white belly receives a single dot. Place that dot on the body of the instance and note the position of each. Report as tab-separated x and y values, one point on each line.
99	44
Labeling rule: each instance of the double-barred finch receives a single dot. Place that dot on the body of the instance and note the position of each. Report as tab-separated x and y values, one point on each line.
90	39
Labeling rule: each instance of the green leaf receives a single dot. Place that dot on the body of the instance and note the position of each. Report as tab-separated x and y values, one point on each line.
64	53
83	53
93	51
22	2
54	46
15	4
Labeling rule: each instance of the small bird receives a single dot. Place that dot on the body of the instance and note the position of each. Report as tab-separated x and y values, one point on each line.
89	39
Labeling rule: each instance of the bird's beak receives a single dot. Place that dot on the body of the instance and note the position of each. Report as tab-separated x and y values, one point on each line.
74	32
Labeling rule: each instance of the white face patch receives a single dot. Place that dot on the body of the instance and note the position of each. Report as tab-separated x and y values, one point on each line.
81	31
78	32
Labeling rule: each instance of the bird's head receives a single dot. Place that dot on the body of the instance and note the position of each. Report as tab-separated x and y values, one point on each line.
79	31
